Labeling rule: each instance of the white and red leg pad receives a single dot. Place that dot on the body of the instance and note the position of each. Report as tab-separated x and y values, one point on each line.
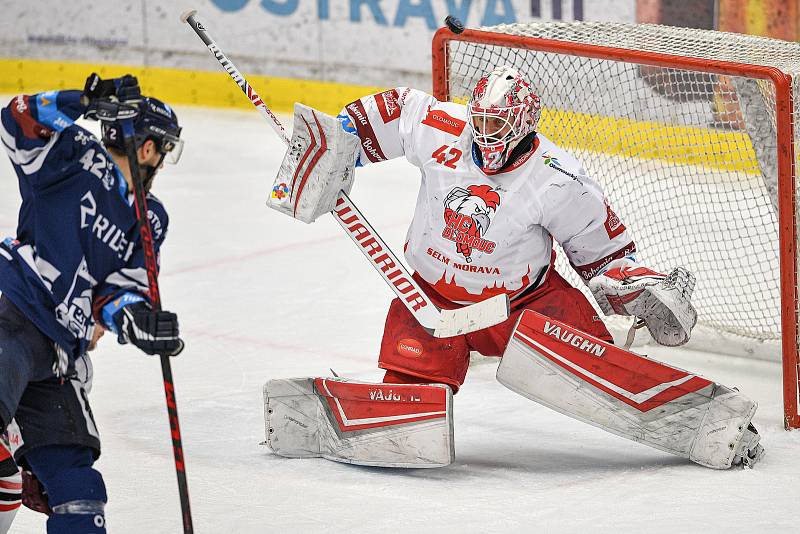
629	395
384	425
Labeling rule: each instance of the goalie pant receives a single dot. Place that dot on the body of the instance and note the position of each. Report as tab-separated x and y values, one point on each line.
410	355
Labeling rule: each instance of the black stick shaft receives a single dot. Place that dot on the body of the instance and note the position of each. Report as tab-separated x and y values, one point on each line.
190	18
151	265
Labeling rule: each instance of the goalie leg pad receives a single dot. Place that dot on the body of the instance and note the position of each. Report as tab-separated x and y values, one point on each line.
384	425
629	395
319	163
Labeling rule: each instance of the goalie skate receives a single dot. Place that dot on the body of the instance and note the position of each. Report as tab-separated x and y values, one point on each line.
749	452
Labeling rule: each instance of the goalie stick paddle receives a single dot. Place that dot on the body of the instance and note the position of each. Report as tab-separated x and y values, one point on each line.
140	203
438	322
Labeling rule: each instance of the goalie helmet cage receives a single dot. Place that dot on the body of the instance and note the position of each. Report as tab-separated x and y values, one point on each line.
691	133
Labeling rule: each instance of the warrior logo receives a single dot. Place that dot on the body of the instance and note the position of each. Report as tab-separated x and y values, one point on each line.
467	214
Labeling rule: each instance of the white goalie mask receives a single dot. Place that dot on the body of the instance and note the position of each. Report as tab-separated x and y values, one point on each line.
502	111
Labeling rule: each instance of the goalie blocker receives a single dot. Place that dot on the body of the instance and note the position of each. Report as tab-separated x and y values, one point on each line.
318	165
629	395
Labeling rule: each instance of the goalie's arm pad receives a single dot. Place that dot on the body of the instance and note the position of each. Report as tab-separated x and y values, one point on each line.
385	123
577	214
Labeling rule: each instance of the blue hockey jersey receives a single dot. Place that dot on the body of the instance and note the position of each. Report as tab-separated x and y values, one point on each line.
77	242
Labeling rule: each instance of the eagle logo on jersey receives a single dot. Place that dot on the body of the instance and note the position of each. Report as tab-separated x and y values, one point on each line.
467	215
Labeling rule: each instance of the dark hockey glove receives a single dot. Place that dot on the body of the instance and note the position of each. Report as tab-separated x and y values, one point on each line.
33	494
154	332
98	91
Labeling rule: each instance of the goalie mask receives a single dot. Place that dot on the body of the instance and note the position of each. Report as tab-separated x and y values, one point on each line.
502	111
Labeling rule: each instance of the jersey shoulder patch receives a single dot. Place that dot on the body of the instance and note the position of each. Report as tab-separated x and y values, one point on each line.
389	105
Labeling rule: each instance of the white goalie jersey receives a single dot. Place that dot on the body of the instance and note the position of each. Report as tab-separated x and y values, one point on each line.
475	235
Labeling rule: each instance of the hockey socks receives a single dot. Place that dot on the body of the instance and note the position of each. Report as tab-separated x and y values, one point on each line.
76	492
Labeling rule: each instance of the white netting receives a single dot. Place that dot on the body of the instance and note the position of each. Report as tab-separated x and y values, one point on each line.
687	158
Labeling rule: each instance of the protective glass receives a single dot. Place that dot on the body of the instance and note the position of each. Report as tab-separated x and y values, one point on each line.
172	148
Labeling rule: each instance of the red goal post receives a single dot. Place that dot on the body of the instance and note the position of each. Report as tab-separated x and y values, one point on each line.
709	114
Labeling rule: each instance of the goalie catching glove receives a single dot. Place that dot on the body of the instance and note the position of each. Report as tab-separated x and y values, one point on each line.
154	332
661	301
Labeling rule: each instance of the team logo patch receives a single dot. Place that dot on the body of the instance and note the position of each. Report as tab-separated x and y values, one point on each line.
388	105
467	215
280	191
82	138
613	224
410	347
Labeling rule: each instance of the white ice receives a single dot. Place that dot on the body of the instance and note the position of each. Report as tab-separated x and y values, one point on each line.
262	296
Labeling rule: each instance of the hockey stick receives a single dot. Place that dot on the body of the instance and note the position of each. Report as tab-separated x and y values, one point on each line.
438	322
140	203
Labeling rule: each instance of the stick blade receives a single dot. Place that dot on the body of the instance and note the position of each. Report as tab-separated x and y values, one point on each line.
474	317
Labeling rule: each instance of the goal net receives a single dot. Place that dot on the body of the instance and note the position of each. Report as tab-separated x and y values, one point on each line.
691	133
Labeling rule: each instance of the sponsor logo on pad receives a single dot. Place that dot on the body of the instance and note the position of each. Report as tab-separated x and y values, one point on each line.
409	347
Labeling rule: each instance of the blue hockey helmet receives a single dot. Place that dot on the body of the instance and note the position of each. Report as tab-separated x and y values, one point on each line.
156	121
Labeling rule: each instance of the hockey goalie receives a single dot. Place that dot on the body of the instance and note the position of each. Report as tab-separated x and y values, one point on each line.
495	194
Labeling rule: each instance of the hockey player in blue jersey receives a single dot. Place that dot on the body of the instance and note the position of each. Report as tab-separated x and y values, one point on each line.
75	267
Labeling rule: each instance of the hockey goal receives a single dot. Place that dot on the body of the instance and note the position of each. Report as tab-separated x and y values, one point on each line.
691	132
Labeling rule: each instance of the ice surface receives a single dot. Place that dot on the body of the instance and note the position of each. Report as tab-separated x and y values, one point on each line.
262	296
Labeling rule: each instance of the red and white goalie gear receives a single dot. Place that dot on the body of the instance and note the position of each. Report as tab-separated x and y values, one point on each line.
502	111
629	395
476	232
319	163
661	301
10	486
383	425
